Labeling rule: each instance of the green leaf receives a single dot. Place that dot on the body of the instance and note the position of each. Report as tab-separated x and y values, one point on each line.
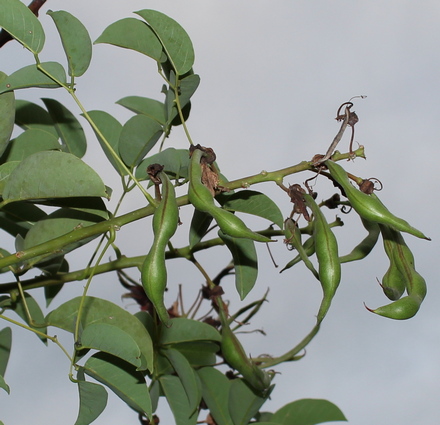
29	142
308	412
252	202
177	400
5	349
143	105
175	162
122	378
215	393
76	41
4	385
96	310
7	114
200	223
19	217
51	174
110	128
187	87
187	377
188	330
51	291
68	127
245	260
138	136
133	34
112	340
154	394
31	76
174	39
199	353
30	115
17	19
92	400
243	402
5	171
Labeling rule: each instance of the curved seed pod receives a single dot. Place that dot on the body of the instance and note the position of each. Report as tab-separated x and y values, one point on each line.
402	309
326	247
235	356
154	272
309	249
201	198
361	250
293	237
370	207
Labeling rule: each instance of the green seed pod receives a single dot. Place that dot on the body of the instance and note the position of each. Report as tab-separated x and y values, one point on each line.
369	207
326	247
309	249
235	356
402	309
202	199
153	271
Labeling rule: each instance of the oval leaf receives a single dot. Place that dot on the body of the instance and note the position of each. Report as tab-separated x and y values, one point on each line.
199	353
46	175
68	128
187	330
133	34
18	218
5	172
143	105
122	378
174	161
5	349
7	114
174	39
308	411
92	402
31	76
17	19
76	41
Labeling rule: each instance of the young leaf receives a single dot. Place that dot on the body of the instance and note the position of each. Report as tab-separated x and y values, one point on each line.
215	393
31	76
245	261
7	114
92	400
5	349
76	41
68	127
109	128
187	330
17	19
112	340
143	105
308	412
51	174
4	385
96	310
131	33
174	39
175	162
252	202
138	136
177	400
30	115
122	378
187	376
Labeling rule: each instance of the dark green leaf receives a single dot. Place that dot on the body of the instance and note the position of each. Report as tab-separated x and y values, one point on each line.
92	401
122	378
19	217
5	171
176	397
138	136
133	34
200	223
175	162
187	376
215	393
29	142
30	115
4	385
68	128
51	174
143	105
7	114
51	291
5	349
245	260
109	128
96	310
31	76
187	88
76	41
112	340
187	330
308	412
174	39
199	353
4	253
17	19
154	394
252	202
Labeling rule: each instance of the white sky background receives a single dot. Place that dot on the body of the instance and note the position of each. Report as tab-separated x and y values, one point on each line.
272	77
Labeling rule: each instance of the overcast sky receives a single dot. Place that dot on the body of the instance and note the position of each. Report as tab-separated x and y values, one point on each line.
272	77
